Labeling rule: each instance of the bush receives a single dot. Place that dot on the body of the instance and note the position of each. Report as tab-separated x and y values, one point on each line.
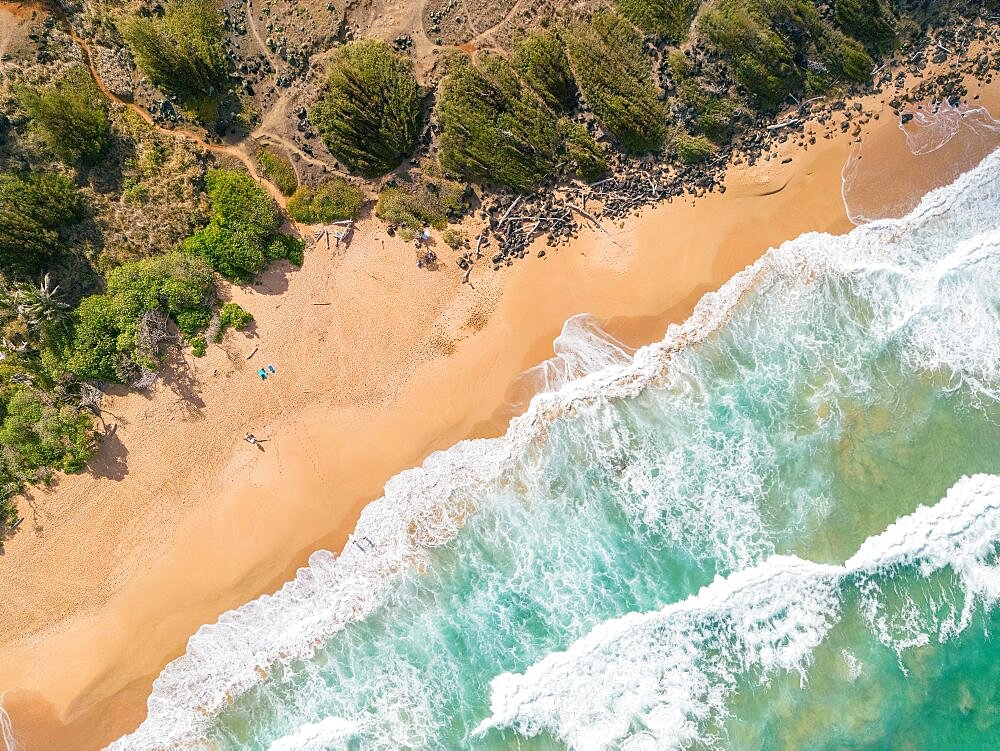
278	170
71	117
615	75
287	247
233	316
429	201
239	204
370	114
199	346
692	149
38	435
708	113
494	129
33	210
665	18
541	62
238	256
105	332
453	238
183	50
334	201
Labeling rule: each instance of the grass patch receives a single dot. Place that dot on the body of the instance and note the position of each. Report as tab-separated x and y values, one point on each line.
278	170
693	149
370	114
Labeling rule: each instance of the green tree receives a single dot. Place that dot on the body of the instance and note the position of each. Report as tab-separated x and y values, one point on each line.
370	113
70	117
333	201
494	129
615	75
665	18
541	63
181	51
107	330
33	209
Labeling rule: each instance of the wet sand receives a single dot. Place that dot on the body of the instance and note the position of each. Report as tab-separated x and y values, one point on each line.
379	364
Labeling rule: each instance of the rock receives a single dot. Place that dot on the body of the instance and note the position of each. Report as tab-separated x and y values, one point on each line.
907	116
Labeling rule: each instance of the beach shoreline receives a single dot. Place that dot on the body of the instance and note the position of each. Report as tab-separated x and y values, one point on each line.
188	529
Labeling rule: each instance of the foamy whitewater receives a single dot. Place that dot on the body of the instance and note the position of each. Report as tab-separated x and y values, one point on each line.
777	528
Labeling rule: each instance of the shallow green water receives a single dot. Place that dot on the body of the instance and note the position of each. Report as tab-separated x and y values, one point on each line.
562	603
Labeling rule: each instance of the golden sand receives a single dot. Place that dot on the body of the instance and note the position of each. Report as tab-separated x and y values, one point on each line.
378	364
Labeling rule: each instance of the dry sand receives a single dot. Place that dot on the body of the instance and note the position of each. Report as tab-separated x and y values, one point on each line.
378	364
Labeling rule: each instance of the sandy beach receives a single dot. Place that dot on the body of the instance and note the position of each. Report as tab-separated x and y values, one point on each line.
378	363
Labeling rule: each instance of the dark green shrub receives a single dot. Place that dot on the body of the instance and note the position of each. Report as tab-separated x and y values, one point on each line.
285	246
615	76
33	210
707	113
665	18
334	201
278	170
183	50
692	149
776	47
370	114
541	63
494	129
238	256
239	204
427	202
70	117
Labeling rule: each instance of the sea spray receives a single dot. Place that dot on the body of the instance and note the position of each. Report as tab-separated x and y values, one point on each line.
800	410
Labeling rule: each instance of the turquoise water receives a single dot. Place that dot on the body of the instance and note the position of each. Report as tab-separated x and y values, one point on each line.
754	535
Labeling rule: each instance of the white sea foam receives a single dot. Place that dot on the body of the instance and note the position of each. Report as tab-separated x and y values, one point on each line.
326	735
658	676
426	506
581	348
7	736
936	124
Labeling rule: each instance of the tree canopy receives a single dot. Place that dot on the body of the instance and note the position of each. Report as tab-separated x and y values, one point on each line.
370	113
70	117
33	209
181	51
615	75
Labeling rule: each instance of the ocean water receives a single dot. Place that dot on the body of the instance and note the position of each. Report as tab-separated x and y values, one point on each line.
778	528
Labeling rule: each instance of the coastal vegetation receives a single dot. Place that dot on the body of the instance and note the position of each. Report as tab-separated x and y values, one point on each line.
278	170
427	201
334	200
615	76
665	18
114	232
370	114
70	117
181	51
